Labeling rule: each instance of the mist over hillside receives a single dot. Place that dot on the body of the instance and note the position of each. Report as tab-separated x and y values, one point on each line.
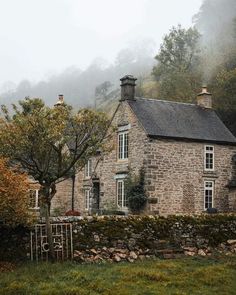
79	87
216	22
98	84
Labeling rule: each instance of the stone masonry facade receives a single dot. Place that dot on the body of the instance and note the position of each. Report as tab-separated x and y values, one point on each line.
174	169
175	176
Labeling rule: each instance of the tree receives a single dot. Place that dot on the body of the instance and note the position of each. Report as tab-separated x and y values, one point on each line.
49	143
102	92
177	70
224	89
14	196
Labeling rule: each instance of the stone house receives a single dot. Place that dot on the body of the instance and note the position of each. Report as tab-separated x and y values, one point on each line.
186	152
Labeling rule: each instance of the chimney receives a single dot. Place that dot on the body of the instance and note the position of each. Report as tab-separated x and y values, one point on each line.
60	100
204	98
127	87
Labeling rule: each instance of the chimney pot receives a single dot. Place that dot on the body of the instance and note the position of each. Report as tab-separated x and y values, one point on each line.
204	98
60	100
128	87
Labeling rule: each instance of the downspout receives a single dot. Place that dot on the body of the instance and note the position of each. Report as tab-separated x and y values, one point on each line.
73	192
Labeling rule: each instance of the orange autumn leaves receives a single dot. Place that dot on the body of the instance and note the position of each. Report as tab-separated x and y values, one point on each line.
14	196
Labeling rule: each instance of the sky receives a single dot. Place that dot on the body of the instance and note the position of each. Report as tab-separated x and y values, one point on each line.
43	37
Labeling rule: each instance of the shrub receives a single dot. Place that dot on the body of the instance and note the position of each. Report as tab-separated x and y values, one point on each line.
72	213
135	193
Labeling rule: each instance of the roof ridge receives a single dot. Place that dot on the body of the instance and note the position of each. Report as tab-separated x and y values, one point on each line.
166	101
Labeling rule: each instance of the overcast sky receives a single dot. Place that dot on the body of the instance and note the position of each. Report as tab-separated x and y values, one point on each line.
42	37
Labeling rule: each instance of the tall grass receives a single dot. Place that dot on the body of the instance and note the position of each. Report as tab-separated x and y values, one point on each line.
183	276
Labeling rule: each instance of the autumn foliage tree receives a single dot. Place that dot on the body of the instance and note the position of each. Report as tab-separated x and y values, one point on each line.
51	143
14	196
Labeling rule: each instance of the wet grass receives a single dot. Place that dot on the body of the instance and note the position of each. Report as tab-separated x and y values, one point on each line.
181	276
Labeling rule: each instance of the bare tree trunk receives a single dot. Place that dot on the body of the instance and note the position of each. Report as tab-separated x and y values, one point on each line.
49	234
47	201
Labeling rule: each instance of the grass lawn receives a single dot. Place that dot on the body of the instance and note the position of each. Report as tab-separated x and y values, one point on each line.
181	276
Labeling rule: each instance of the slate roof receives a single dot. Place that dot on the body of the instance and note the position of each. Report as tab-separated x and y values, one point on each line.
177	120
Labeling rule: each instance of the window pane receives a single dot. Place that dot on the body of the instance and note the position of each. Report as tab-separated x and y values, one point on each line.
209	157
87	199
125	202
123	145
208	194
32	197
88	168
120	146
119	193
126	145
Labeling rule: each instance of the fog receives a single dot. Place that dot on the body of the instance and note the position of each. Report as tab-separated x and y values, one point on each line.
216	21
41	39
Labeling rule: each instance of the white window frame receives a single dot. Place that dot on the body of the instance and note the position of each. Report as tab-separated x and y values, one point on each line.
88	169
36	200
211	189
209	150
87	199
120	184
123	149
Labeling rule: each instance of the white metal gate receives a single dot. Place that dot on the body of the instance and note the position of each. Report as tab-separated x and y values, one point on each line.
62	241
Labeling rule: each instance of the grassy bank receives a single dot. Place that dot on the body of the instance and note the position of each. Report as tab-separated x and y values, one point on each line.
183	276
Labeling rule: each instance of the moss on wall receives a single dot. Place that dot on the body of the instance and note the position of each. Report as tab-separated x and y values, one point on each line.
150	233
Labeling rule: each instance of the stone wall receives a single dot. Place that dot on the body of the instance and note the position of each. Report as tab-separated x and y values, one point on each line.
175	176
129	238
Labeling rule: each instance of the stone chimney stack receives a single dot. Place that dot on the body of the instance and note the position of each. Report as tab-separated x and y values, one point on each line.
128	87
204	98
60	100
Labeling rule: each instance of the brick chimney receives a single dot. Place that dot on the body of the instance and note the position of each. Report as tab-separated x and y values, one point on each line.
128	87
204	98
60	100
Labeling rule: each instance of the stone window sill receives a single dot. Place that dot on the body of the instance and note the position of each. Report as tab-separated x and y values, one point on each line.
86	178
122	160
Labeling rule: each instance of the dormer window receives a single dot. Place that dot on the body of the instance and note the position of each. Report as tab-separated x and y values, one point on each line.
123	145
209	158
88	169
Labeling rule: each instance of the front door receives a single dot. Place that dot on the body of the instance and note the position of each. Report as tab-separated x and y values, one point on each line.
96	196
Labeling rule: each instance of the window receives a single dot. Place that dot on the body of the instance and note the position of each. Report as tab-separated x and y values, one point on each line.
208	194
34	199
121	195
209	158
123	144
87	199
88	169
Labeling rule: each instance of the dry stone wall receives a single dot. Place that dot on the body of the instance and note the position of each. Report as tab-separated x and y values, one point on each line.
114	238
